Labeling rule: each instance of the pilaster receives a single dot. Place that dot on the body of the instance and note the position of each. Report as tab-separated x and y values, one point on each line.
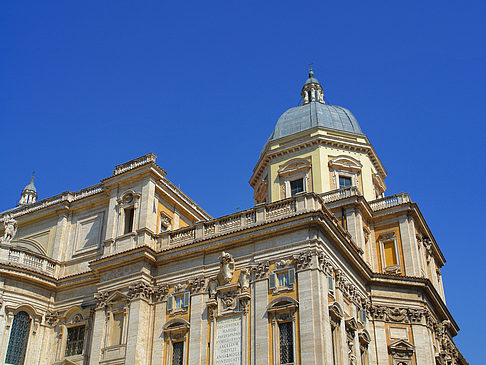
409	246
198	330
138	332
259	320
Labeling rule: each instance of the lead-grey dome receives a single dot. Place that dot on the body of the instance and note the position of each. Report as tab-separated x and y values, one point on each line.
315	114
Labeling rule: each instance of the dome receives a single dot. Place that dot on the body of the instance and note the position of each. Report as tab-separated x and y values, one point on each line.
315	114
30	187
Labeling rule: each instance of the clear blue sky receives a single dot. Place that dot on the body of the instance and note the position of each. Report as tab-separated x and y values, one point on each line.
90	84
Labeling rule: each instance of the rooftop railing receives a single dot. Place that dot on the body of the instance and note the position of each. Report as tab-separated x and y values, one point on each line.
389	201
29	260
258	215
339	194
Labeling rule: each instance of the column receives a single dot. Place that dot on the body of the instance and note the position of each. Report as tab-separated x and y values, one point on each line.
421	341
259	319
138	335
198	330
158	338
98	335
310	319
409	246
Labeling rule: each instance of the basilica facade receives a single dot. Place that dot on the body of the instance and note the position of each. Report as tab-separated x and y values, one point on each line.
324	269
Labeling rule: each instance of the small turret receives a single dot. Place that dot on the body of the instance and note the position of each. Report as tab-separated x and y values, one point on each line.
312	90
29	194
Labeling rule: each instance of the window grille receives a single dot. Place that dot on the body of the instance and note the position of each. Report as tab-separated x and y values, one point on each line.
286	343
75	341
19	336
177	353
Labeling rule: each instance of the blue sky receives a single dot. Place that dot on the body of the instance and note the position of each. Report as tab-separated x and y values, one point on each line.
88	85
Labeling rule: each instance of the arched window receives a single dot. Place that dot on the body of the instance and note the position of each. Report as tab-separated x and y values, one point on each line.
19	335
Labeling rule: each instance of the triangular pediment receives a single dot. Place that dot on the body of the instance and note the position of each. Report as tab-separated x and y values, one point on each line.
116	297
402	345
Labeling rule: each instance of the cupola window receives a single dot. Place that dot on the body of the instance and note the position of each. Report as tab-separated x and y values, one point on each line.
344	181
296	186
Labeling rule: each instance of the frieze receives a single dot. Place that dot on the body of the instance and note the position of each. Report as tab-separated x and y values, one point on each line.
398	314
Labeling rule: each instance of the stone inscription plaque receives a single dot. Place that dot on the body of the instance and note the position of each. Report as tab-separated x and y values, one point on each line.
228	341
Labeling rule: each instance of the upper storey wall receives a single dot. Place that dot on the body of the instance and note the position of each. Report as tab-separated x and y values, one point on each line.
317	161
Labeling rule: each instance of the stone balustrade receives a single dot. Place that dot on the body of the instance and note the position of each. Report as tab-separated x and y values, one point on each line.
389	201
28	260
339	194
260	214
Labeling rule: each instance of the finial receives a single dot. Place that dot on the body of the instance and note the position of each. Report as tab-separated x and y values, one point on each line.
33	174
311	73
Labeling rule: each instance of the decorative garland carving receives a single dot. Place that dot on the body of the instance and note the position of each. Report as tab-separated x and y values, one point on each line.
303	260
260	270
197	285
160	292
140	290
397	314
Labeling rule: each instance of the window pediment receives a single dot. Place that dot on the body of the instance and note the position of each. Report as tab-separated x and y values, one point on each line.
345	163
294	166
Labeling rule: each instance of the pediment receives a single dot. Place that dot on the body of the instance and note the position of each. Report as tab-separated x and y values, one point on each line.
401	346
346	163
116	297
336	311
294	165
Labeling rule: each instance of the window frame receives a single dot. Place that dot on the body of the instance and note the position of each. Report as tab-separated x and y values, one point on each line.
11	326
382	240
273	280
281	310
176	330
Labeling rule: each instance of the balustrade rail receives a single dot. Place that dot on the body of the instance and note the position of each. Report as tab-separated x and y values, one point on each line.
260	214
339	194
29	260
390	201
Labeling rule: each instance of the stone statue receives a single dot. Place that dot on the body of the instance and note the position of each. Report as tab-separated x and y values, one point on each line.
226	268
212	285
244	280
11	226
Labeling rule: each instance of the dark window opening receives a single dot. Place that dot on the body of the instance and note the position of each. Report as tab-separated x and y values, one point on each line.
75	341
296	186
19	335
344	181
129	213
177	353
286	343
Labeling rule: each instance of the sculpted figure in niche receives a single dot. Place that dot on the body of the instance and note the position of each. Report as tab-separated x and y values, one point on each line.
244	280
226	268
11	226
212	285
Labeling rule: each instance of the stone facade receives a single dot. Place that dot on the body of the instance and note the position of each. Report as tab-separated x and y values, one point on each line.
132	271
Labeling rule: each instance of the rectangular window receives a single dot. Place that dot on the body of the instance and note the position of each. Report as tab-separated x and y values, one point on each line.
286	343
179	301
344	181
117	328
390	253
331	284
75	341
296	186
283	279
177	353
129	213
